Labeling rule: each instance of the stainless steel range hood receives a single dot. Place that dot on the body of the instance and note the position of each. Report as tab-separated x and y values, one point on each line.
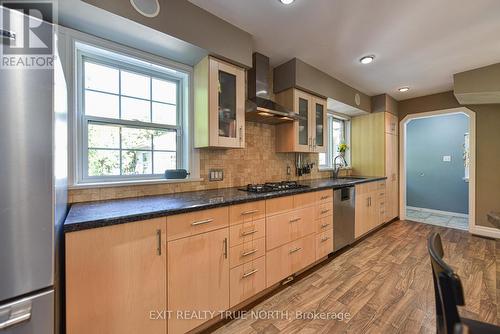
259	106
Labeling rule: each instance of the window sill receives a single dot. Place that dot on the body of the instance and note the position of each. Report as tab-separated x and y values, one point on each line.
330	169
132	183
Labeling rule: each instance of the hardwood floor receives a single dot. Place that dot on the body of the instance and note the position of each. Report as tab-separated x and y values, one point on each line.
385	283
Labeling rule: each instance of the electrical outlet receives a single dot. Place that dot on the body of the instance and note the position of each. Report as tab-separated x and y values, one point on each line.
446	158
215	175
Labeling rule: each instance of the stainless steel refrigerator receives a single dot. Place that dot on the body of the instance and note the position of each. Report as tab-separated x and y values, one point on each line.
33	192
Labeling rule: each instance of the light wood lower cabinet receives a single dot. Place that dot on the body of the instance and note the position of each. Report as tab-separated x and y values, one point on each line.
115	276
198	277
370	207
247	280
289	259
324	244
281	229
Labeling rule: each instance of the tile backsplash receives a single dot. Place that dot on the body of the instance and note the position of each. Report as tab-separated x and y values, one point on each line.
257	163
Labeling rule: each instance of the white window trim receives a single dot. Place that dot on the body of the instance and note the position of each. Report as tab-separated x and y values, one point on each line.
68	41
347	136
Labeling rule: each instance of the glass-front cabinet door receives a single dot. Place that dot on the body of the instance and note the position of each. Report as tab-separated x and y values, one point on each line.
303	103
227	94
319	132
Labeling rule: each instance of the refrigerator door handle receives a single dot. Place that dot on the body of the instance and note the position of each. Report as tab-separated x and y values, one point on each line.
18	314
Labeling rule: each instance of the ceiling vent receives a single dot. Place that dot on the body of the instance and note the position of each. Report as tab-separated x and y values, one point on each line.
148	8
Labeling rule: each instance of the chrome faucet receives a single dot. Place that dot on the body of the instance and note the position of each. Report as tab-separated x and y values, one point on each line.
336	167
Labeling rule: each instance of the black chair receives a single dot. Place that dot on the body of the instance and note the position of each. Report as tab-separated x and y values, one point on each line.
449	293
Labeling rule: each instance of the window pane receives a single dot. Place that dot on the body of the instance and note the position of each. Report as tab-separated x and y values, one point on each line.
164	161
134	138
165	91
322	159
165	140
100	77
101	104
136	162
103	136
135	110
135	85
164	113
103	162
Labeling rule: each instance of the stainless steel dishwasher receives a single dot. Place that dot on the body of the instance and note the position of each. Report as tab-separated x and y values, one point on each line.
343	217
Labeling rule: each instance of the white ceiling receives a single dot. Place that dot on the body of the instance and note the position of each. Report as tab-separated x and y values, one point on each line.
419	43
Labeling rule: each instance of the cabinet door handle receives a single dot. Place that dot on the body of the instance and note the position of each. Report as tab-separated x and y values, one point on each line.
324	239
295	220
324	211
158	245
295	250
247	233
250	273
250	252
241	134
324	197
368	201
325	225
225	248
201	222
249	212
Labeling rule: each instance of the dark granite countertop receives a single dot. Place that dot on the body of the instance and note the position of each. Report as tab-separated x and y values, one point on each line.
89	215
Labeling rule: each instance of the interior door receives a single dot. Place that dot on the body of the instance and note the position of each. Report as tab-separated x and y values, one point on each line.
303	106
227	100
319	125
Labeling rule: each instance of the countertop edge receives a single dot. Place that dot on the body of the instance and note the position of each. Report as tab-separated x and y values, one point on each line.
97	223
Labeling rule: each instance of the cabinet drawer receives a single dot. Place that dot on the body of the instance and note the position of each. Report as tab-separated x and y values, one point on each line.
193	223
324	196
279	205
247	280
249	231
247	212
323	210
247	252
323	224
289	226
324	244
378	185
304	200
290	258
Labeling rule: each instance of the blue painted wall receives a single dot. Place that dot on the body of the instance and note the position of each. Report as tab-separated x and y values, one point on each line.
432	183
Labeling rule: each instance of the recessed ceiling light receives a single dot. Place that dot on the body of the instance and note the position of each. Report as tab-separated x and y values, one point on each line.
404	89
286	2
367	59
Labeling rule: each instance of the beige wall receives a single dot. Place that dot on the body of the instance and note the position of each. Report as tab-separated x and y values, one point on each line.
298	74
487	146
257	163
190	23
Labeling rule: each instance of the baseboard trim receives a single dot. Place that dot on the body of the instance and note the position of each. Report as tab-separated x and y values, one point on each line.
445	213
485	231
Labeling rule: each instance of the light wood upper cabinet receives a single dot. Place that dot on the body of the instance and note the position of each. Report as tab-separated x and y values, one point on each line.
309	134
115	276
319	129
219	104
391	123
198	277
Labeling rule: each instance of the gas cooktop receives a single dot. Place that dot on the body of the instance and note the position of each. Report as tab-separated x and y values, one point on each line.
273	186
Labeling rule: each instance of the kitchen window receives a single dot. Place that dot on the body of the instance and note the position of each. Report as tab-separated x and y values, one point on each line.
338	132
130	118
